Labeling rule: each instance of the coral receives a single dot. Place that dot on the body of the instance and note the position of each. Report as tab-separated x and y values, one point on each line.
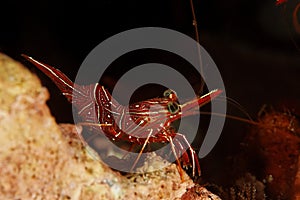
268	163
274	151
245	188
40	159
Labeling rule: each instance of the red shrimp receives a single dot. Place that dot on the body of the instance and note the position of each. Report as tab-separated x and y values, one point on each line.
136	123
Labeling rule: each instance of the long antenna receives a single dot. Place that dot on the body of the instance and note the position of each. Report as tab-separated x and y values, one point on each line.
295	18
195	24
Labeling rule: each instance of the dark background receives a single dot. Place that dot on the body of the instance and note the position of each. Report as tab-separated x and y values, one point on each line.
252	42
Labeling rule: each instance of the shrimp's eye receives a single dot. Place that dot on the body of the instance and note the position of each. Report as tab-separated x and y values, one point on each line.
168	92
171	94
173	107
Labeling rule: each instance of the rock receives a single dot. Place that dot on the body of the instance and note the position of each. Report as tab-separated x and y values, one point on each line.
36	160
199	193
41	160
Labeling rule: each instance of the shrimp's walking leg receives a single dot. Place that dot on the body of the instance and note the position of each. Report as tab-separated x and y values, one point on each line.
141	151
181	141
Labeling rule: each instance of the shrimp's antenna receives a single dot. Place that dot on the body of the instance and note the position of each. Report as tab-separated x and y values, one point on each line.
249	121
295	18
295	21
195	24
237	105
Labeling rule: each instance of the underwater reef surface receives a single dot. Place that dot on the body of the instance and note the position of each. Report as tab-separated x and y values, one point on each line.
40	159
